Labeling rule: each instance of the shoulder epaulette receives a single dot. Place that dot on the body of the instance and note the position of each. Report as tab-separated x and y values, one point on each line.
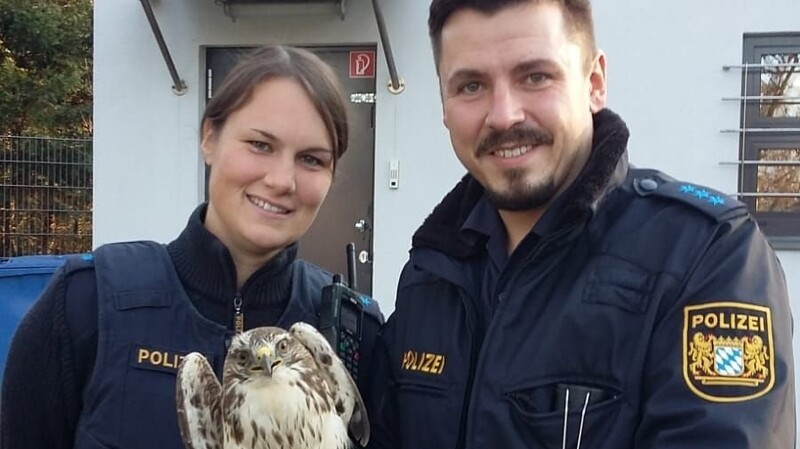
707	200
78	262
371	307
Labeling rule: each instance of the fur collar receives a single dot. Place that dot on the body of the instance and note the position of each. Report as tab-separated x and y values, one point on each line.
606	167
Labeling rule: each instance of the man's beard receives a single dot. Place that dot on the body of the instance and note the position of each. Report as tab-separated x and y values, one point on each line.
519	195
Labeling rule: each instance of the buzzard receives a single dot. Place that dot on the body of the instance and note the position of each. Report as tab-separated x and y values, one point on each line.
279	390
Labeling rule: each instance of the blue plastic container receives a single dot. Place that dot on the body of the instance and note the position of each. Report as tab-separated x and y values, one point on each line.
22	280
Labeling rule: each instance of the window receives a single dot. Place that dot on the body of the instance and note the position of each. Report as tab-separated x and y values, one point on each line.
770	132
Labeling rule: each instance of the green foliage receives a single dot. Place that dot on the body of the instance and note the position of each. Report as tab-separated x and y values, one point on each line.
46	67
45	90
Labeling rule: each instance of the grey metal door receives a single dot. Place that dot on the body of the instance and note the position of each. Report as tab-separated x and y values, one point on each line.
347	213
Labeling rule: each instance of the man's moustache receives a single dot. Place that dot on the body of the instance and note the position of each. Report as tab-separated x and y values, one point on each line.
519	136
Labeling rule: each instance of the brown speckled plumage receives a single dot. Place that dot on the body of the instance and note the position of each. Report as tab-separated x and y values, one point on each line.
280	390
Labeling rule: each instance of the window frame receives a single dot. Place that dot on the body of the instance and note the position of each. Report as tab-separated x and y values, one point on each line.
782	227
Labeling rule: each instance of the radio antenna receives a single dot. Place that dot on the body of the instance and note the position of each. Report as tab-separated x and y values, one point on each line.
351	265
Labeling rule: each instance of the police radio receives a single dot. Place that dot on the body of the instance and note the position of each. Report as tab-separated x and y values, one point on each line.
342	316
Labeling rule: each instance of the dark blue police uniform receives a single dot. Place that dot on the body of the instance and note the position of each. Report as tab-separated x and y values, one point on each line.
92	365
640	312
147	323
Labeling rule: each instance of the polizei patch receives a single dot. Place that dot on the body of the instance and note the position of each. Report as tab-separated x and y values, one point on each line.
728	352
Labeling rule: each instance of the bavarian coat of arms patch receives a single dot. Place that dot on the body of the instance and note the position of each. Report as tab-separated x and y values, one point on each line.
728	352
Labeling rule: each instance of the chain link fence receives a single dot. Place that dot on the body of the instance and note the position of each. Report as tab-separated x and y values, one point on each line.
45	196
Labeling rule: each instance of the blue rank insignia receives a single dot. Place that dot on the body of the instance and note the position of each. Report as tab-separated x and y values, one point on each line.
728	351
707	200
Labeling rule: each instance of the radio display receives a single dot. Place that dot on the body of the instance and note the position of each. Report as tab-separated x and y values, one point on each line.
349	318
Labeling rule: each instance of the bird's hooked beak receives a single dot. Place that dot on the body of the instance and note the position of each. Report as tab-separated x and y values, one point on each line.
266	360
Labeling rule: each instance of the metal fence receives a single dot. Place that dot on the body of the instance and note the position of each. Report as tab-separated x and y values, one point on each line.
45	196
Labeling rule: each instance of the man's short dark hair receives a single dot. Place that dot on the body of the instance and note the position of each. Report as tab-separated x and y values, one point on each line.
577	17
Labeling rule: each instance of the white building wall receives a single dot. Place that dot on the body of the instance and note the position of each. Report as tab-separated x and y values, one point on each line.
148	171
665	78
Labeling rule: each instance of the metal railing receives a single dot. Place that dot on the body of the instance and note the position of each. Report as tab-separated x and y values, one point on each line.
770	190
45	196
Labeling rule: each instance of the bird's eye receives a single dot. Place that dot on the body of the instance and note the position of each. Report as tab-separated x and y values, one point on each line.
241	357
283	345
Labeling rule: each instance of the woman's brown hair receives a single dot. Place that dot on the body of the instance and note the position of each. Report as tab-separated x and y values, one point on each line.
278	61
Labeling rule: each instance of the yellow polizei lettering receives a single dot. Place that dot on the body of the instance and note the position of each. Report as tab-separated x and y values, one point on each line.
158	358
437	365
753	323
742	322
736	321
726	324
411	360
174	364
711	320
426	367
420	361
424	362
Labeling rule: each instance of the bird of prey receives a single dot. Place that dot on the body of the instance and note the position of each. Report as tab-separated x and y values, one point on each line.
279	390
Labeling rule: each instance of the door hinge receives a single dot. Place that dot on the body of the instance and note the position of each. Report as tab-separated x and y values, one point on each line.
209	84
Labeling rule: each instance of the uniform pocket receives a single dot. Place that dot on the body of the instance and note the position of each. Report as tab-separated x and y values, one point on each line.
413	390
428	413
86	440
618	283
543	421
150	404
150	410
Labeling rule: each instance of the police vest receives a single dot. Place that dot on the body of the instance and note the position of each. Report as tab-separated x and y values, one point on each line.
147	323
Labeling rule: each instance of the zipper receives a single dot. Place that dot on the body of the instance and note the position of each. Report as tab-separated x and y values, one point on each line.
238	316
475	344
477	340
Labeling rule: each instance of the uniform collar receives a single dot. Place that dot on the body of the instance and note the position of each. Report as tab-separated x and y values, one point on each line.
485	223
205	265
604	170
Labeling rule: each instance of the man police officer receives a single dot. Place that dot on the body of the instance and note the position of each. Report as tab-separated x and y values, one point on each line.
559	298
